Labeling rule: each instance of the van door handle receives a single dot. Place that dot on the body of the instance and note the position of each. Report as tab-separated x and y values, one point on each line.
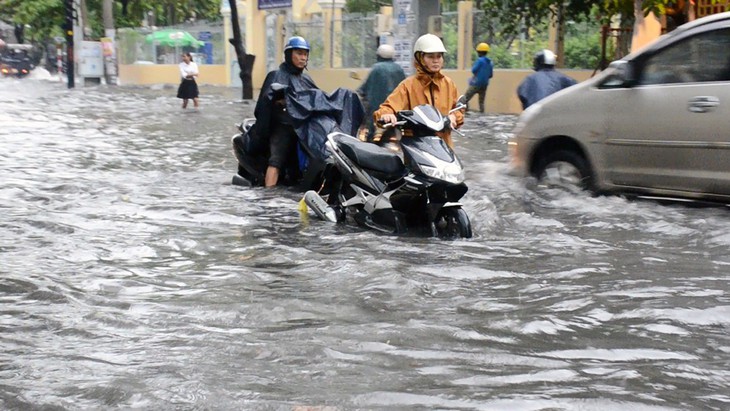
703	104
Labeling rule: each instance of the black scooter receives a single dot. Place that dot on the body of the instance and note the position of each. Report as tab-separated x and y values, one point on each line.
414	189
315	115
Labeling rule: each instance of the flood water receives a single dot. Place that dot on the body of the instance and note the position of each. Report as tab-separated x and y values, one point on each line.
133	275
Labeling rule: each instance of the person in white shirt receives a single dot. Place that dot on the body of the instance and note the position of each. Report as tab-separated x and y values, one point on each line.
188	87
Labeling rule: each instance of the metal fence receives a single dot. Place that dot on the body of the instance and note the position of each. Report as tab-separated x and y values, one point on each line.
313	31
355	44
135	45
357	41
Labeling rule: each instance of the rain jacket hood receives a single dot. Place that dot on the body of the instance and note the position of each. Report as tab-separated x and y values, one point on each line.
288	75
312	112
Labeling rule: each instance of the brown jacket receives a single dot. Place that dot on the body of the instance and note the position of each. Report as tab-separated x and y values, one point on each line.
418	89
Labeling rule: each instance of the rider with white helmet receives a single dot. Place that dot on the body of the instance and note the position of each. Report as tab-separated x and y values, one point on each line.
427	86
385	52
544	81
382	79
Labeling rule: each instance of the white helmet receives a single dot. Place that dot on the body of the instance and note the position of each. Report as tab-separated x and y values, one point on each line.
544	59
386	51
429	43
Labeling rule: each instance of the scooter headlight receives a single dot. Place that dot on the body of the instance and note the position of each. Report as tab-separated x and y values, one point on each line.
451	172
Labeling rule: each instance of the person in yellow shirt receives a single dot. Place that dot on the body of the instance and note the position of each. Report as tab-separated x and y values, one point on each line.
427	86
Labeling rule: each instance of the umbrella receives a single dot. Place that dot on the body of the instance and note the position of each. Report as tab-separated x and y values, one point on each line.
173	38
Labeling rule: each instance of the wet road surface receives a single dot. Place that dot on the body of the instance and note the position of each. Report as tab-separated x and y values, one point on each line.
133	275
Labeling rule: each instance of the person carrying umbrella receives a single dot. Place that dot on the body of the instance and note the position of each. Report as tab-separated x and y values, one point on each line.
188	87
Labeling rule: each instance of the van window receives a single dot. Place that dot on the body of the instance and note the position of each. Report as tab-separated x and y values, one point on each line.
700	58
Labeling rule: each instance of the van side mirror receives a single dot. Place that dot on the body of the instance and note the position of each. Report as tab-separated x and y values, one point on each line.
624	74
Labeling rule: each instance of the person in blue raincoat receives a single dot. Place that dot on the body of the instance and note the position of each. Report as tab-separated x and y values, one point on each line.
544	81
382	80
482	71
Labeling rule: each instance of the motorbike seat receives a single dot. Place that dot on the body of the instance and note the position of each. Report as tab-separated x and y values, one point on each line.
373	157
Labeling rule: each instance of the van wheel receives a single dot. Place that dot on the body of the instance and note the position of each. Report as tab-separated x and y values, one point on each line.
564	168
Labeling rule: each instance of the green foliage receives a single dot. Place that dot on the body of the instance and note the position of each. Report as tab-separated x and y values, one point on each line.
42	17
165	12
449	5
45	17
583	43
503	58
451	42
365	6
583	52
519	16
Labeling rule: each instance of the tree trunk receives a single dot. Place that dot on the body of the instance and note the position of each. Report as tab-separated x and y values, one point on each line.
125	5
245	61
560	44
107	14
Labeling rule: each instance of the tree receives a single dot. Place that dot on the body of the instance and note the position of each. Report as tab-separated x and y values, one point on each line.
365	6
130	13
245	60
44	17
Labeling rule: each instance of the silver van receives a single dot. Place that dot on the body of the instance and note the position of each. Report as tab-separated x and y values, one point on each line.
655	123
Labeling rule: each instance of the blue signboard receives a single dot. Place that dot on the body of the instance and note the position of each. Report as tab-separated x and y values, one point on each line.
273	4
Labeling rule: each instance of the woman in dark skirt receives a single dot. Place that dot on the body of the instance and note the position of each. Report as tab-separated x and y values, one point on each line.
188	87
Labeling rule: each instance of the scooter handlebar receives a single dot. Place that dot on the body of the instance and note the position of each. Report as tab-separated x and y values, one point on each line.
391	125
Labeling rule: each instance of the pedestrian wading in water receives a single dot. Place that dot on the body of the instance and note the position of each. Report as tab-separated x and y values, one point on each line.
188	87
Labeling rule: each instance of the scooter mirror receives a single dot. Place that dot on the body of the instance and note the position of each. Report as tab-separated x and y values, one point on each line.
278	90
278	86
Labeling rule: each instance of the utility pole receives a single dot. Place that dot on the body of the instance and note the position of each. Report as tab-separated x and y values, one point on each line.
69	30
109	43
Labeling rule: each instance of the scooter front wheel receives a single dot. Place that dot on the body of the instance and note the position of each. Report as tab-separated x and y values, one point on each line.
452	222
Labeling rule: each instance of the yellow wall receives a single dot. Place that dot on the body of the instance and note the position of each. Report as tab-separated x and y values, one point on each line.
501	94
143	74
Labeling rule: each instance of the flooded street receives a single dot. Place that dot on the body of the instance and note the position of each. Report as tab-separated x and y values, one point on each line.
133	275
